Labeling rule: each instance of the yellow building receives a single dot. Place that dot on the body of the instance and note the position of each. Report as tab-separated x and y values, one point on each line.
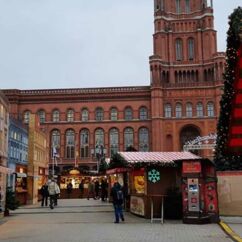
38	159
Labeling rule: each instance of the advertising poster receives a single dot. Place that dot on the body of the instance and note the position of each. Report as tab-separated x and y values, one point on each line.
137	205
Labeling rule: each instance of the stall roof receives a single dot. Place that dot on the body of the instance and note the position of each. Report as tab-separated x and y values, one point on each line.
168	158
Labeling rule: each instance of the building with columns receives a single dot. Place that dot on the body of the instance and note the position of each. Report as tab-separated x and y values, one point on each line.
181	102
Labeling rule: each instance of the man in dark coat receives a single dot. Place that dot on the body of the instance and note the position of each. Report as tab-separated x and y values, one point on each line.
118	199
45	194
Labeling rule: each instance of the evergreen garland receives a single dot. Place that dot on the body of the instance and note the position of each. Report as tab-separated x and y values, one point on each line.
223	159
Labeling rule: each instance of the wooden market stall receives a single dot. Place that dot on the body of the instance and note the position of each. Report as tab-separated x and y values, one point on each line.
156	184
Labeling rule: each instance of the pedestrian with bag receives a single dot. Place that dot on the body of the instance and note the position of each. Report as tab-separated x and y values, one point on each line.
53	189
118	199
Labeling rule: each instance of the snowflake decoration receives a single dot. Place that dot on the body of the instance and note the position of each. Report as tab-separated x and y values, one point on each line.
154	176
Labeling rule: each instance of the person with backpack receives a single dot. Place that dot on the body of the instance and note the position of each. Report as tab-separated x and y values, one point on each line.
118	199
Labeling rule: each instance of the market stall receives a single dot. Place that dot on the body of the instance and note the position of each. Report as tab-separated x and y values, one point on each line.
156	183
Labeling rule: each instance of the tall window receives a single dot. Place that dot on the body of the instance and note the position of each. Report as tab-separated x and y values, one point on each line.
168	111
55	143
99	114
178	6
199	109
188	110
143	139
70	144
41	114
143	113
190	48
84	117
70	115
128	114
210	109
114	114
179	53
178	110
56	116
84	141
128	138
113	140
99	137
187	6
26	117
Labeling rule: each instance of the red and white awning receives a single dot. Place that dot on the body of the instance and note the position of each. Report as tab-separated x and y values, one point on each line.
157	157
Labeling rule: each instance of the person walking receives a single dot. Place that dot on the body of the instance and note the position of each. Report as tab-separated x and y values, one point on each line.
118	199
97	189
44	195
69	189
104	190
53	190
81	188
57	195
90	190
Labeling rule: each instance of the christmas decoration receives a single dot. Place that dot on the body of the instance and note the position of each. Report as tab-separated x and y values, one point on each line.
227	157
153	176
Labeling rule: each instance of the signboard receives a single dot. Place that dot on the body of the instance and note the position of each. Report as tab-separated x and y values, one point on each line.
191	167
137	205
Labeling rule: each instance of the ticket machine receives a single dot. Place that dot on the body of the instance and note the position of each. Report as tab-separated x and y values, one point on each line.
199	192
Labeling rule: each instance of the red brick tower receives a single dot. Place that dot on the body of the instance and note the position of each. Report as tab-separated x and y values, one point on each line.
186	72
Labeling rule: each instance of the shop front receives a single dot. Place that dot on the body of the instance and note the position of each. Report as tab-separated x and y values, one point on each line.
72	178
21	184
42	179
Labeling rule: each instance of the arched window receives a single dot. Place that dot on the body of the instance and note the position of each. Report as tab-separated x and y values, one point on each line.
99	137
128	138
128	114
84	143
26	117
178	110
41	114
70	144
143	113
70	115
178	6
55	143
56	116
190	48
179	52
143	139
113	141
189	110
99	114
187	6
210	109
199	109
113	114
84	115
168	110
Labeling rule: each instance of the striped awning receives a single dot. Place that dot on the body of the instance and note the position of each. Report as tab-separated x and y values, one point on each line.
158	157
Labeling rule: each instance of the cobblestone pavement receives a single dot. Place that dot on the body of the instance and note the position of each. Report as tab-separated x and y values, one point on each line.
92	221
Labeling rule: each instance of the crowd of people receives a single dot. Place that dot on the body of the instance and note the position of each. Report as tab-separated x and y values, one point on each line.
50	191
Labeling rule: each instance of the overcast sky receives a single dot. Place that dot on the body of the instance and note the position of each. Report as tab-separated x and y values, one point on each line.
82	43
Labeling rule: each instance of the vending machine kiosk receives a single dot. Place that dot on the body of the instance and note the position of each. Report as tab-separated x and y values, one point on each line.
199	192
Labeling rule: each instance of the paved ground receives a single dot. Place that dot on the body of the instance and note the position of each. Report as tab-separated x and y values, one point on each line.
235	223
92	221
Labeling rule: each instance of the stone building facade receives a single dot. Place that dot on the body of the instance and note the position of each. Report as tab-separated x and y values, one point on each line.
181	102
4	119
37	170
